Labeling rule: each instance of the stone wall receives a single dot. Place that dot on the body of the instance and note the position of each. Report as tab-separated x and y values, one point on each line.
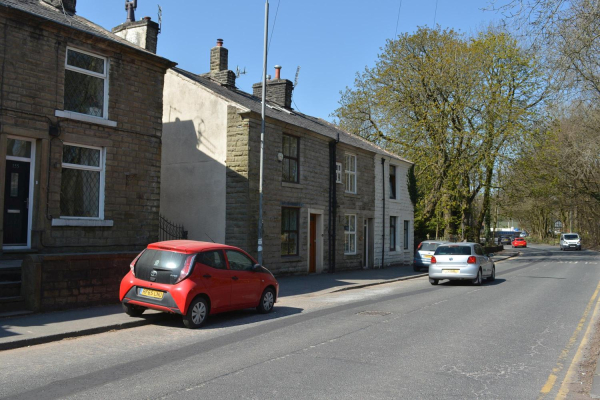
240	231
65	281
33	58
310	195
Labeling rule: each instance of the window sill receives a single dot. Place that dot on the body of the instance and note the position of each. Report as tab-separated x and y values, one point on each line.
81	222
349	194
291	185
84	118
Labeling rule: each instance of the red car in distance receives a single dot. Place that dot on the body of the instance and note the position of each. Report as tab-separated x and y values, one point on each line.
196	279
519	242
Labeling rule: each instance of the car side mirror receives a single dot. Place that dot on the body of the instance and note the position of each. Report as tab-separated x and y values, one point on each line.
491	255
256	267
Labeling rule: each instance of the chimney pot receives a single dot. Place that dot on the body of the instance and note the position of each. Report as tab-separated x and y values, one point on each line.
147	19
278	72
219	42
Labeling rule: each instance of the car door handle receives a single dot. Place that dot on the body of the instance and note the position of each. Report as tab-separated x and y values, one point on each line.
207	276
235	278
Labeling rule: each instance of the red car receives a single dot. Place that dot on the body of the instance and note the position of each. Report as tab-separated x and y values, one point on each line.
519	242
196	279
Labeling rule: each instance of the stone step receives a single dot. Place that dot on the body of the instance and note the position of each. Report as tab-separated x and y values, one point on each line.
10	275
10	289
12	305
10	270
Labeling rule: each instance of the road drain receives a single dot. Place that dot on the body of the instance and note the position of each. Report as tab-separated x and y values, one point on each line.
381	313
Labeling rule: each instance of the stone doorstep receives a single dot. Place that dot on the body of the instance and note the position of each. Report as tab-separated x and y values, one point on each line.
10	264
15	305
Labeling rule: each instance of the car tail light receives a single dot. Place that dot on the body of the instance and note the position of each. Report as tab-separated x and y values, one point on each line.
185	271
471	260
433	260
132	265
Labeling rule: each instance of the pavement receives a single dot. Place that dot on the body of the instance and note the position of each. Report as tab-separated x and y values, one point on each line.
33	329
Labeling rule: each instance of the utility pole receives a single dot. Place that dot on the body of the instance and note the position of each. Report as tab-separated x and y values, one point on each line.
262	139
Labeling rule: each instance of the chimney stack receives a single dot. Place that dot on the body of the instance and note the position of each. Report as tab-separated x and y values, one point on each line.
279	91
143	33
69	5
219	57
219	68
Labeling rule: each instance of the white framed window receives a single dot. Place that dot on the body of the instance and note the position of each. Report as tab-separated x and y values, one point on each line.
392	179
82	182
350	173
291	158
338	172
86	83
350	234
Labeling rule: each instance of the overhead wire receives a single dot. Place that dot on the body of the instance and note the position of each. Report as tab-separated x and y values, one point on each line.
398	20
435	13
273	27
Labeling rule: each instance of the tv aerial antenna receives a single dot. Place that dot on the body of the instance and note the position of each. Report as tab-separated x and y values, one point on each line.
297	73
238	72
159	18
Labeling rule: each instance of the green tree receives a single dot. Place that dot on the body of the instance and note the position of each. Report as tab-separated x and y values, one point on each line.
451	104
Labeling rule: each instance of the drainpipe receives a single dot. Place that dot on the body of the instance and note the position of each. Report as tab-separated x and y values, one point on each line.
383	215
332	204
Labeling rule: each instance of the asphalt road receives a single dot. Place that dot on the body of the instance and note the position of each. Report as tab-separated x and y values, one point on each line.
515	338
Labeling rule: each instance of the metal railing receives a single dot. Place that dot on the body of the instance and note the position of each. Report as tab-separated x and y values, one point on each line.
168	230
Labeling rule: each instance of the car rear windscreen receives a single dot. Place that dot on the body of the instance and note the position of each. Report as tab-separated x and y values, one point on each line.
571	237
167	262
429	246
453	250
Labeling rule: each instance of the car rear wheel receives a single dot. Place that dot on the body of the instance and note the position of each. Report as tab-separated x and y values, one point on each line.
477	280
492	277
197	313
133	310
267	301
434	281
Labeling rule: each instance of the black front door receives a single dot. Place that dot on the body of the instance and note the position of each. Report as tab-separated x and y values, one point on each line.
16	199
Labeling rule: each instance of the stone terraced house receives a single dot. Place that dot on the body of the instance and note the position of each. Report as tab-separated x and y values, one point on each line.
80	133
321	210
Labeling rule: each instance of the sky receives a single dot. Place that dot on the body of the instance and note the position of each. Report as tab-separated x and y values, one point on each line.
330	40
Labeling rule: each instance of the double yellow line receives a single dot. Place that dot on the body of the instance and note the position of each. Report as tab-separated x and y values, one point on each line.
549	385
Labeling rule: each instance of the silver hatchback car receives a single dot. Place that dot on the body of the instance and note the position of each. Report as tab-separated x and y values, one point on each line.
461	261
424	253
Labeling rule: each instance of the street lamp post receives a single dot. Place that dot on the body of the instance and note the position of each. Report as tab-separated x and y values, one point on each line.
262	139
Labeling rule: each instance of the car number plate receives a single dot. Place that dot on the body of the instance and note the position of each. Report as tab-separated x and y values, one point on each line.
152	293
428	256
451	271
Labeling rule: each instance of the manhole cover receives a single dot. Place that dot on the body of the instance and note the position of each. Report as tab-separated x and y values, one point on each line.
373	313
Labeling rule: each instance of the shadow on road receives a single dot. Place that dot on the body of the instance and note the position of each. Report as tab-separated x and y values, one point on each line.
227	319
498	281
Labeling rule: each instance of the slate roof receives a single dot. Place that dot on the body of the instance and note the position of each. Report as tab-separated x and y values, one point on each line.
53	14
292	117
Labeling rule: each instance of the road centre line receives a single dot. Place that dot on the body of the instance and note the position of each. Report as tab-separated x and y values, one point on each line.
549	385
